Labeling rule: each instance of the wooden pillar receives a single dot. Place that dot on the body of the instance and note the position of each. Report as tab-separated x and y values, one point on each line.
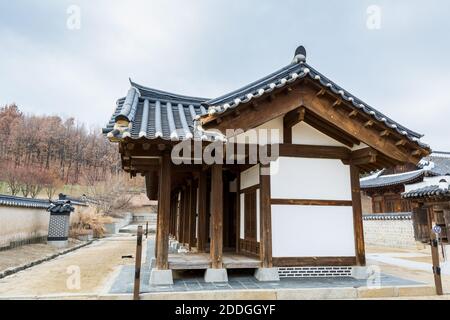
216	250
164	213
202	211
238	212
173	215
192	214
151	184
179	206
265	219
186	216
357	216
182	208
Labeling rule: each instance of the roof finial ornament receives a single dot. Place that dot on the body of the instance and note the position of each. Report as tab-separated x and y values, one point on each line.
300	55
443	184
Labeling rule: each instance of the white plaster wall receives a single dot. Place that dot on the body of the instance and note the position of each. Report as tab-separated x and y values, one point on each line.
269	132
301	178
303	133
312	231
18	224
250	177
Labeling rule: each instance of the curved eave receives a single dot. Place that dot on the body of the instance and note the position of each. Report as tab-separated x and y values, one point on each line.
371	185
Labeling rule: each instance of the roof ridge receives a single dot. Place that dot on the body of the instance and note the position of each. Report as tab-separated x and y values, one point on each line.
140	87
272	75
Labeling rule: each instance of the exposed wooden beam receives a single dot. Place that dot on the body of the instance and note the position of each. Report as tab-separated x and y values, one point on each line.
337	103
321	92
353	113
400	143
311	151
384	133
330	130
367	135
368	123
304	94
293	117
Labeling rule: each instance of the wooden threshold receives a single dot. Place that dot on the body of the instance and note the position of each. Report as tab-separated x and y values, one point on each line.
313	261
312	202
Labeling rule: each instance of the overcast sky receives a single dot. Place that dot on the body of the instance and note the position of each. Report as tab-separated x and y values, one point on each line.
206	48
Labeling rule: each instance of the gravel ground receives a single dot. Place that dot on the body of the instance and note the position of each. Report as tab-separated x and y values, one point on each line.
28	253
95	263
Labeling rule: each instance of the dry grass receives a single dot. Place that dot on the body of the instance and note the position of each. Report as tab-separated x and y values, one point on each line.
90	221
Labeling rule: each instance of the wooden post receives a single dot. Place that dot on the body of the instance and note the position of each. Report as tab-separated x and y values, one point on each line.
192	214
357	216
146	230
216	250
202	211
164	213
265	219
238	212
180	218
185	224
151	183
137	268
435	255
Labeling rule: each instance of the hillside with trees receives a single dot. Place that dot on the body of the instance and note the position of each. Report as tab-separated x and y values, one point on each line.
40	154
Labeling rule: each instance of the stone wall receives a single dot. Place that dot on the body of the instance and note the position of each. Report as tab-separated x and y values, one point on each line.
390	230
25	225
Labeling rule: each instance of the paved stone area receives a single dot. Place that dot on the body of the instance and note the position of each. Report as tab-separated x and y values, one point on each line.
193	281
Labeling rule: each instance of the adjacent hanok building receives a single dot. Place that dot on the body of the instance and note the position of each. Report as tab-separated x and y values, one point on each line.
385	187
279	192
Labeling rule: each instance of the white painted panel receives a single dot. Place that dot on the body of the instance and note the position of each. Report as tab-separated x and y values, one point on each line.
242	217
257	215
303	133
312	231
250	177
269	132
301	178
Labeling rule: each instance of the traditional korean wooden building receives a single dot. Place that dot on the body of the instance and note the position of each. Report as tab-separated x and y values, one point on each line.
431	221
386	186
230	212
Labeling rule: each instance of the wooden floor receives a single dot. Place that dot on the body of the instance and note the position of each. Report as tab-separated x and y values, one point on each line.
192	261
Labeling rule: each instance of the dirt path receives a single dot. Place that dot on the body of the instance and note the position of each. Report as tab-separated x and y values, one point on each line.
94	264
